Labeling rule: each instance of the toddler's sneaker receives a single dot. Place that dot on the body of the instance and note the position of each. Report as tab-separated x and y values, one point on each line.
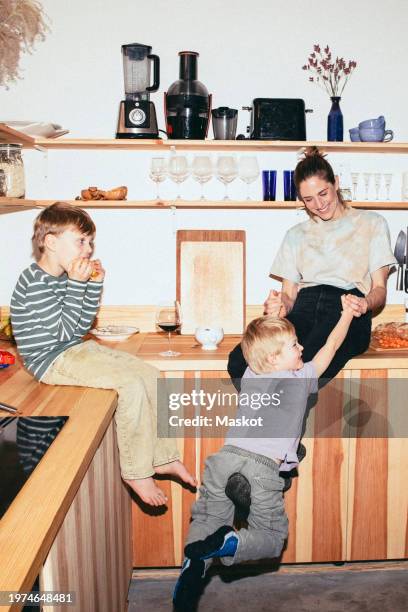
221	543
189	585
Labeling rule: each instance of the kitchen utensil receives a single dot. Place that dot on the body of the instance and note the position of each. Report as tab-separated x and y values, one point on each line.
137	115
372	123
354	134
399	254
202	171
168	319
277	119
224	123
114	333
387	182
289	189
248	170
8	408
158	172
210	279
404	187
209	337
269	185
406	264
12	165
375	134
227	171
187	102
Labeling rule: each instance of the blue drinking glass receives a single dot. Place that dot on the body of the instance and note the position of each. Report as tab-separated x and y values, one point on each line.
289	189
269	185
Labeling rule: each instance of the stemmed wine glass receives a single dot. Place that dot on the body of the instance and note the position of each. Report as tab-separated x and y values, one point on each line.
178	170
227	171
202	171
168	318
248	171
387	182
354	181
377	184
158	172
366	178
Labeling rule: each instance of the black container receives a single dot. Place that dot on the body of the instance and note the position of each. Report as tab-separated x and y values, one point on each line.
187	102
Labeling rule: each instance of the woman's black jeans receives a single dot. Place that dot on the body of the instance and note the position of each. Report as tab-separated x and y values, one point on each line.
314	315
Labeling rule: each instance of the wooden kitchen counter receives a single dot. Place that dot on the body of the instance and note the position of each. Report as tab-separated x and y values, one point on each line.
29	527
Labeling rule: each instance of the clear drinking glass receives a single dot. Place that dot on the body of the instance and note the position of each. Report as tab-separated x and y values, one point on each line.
404	187
354	182
168	319
366	178
227	171
387	181
178	170
158	172
377	184
202	171
248	171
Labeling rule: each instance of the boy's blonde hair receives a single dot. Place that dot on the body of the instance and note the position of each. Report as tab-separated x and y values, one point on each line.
55	219
265	336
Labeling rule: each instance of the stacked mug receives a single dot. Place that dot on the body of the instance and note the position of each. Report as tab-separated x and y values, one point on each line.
371	130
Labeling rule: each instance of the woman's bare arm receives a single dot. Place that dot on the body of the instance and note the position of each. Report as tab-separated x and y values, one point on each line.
375	298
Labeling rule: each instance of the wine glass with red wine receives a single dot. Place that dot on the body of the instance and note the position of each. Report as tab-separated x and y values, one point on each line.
168	319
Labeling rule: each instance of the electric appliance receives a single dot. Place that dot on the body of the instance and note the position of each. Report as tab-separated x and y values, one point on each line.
137	115
277	119
187	103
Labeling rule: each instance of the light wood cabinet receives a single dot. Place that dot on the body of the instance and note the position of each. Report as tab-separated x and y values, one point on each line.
350	501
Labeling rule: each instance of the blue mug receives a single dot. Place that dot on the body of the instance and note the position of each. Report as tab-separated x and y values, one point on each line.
375	135
355	134
372	123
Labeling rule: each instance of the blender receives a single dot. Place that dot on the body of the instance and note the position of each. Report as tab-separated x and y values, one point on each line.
137	115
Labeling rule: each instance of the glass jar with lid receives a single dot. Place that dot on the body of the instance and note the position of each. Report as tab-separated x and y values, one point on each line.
11	163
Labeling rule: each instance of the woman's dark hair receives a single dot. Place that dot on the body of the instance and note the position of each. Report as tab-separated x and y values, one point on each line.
315	164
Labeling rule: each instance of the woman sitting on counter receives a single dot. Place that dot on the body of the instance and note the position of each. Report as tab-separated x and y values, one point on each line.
337	250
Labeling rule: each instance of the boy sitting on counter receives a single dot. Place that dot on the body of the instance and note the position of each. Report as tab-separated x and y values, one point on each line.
53	306
271	349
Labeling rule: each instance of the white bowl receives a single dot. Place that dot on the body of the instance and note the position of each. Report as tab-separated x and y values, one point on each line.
114	333
209	337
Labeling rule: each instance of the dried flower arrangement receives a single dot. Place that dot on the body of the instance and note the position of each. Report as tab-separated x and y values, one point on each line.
331	75
22	24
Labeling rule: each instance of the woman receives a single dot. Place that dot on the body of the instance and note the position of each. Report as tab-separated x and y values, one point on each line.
337	250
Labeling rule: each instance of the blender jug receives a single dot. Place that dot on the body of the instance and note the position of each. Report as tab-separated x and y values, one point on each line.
136	70
137	115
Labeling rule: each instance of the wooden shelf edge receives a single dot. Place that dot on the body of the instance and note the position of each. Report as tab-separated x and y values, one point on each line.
10	135
8	205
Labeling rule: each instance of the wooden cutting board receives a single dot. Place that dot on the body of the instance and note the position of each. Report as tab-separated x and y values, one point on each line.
211	279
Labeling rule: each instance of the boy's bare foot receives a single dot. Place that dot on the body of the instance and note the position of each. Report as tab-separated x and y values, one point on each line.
176	468
147	490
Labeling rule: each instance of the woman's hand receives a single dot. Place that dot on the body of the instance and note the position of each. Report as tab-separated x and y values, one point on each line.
358	305
273	304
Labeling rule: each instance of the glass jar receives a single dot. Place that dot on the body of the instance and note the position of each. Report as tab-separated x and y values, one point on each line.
11	163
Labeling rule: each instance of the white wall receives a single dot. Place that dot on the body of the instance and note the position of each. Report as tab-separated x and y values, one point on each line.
247	50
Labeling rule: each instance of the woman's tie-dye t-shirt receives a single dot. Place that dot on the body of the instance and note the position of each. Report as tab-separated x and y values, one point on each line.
342	252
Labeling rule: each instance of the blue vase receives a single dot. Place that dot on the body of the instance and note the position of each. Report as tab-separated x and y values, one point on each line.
335	121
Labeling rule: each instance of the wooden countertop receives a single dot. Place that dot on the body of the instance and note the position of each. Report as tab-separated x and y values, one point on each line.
30	525
28	528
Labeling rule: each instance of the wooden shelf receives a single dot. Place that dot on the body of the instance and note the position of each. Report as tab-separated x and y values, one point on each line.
10	135
9	205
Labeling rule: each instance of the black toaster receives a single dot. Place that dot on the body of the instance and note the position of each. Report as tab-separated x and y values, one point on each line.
277	119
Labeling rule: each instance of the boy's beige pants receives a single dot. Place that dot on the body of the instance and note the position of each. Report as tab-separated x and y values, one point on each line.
90	364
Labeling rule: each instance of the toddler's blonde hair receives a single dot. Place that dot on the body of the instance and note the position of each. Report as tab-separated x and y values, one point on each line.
265	336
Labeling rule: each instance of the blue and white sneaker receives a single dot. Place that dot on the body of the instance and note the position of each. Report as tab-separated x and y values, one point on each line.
189	585
221	543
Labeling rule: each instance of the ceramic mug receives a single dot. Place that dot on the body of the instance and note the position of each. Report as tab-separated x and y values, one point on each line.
209	337
372	123
375	134
354	134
